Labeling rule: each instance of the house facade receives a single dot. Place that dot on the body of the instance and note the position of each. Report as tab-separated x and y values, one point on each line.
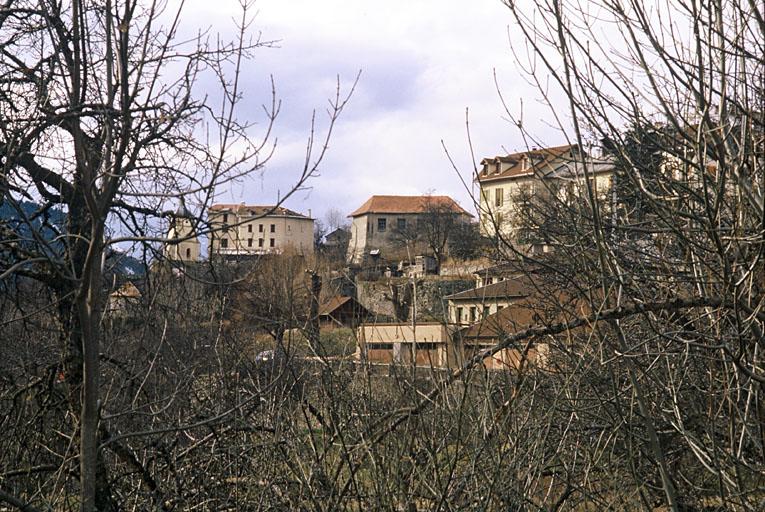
508	183
425	344
389	225
246	230
472	306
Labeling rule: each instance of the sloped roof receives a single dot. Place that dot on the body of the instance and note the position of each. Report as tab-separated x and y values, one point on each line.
511	288
542	160
257	210
513	318
408	204
128	291
526	313
335	302
331	304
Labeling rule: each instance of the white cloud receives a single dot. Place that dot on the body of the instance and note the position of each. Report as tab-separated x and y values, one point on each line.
423	63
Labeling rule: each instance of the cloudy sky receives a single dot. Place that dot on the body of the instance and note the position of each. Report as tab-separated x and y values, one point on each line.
422	63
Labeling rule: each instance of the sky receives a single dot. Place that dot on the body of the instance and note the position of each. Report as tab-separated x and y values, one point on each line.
422	64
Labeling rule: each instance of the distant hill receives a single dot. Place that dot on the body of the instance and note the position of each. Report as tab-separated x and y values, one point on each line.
49	226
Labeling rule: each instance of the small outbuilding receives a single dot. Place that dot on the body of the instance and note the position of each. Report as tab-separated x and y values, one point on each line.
342	311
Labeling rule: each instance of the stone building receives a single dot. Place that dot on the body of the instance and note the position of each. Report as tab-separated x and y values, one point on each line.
387	226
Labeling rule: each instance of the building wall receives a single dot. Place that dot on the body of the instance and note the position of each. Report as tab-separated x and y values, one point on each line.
366	234
187	250
429	343
465	312
260	235
493	216
358	242
509	358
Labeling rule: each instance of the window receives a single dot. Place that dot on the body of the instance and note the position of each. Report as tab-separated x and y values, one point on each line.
379	346
497	167
485	312
459	316
249	242
382	224
249	228
272	243
260	242
289	227
225	218
472	314
260	228
499	196
273	228
188	252
401	224
224	242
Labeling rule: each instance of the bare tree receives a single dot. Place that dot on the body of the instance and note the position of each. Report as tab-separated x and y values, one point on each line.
103	120
679	107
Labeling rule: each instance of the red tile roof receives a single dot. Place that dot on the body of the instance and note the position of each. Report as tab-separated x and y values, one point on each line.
509	288
408	204
541	159
242	209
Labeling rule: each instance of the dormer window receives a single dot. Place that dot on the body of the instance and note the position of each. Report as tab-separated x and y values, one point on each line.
497	167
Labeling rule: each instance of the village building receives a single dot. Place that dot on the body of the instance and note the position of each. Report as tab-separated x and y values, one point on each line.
471	306
342	311
491	330
335	244
426	344
246	230
124	301
388	226
182	242
508	183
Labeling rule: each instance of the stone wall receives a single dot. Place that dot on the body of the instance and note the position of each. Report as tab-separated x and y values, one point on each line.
379	296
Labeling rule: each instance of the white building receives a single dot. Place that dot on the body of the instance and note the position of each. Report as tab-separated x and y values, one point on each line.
242	230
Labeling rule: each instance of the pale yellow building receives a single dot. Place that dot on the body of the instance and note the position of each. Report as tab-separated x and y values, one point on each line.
506	182
242	230
182	242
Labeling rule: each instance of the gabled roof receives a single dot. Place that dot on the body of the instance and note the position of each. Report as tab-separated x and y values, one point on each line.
409	204
531	162
257	210
334	303
509	288
526	313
